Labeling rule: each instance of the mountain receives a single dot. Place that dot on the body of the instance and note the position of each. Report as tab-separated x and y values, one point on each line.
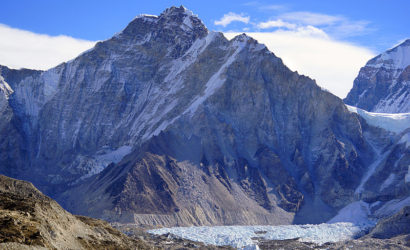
167	123
383	85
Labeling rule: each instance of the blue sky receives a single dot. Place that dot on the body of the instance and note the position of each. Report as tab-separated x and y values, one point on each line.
327	40
376	24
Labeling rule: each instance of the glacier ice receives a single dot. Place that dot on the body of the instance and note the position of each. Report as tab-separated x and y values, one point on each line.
241	236
397	122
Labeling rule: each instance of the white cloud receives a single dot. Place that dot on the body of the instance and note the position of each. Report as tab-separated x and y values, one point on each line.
333	64
349	29
309	31
264	7
25	49
310	18
276	24
232	17
271	7
336	26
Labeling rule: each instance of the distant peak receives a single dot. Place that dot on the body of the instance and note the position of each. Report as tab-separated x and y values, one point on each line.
184	18
177	11
396	58
243	38
179	19
405	43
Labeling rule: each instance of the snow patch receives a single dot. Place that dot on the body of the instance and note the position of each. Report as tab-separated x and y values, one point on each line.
241	236
5	88
395	123
51	79
114	156
187	23
397	57
190	56
400	100
102	159
407	177
372	168
146	17
216	81
5	92
357	213
405	139
391	207
387	182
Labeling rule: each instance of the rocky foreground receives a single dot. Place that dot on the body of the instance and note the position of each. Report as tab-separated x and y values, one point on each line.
31	220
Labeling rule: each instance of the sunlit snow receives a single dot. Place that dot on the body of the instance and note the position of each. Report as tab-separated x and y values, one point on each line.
396	123
357	213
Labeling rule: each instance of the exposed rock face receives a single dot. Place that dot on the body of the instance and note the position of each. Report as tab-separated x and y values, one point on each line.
383	85
13	149
169	124
29	218
393	226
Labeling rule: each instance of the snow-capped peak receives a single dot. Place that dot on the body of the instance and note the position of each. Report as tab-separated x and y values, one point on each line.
383	84
178	10
146	17
5	87
397	57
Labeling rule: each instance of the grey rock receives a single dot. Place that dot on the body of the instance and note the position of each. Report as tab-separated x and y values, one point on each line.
398	224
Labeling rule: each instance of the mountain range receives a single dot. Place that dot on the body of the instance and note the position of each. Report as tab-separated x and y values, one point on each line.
168	123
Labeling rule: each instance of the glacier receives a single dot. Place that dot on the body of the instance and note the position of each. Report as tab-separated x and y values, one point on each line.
244	236
394	122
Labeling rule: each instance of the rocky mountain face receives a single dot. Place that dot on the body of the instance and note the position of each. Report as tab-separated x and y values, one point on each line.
383	85
167	123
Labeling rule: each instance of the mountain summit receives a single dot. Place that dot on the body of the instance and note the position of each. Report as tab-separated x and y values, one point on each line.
383	85
167	123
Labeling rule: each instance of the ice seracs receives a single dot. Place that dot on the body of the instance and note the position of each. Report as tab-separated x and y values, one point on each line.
241	236
394	122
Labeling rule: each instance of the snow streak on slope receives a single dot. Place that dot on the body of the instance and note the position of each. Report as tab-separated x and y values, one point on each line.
391	207
396	123
216	81
98	162
357	213
371	169
241	236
